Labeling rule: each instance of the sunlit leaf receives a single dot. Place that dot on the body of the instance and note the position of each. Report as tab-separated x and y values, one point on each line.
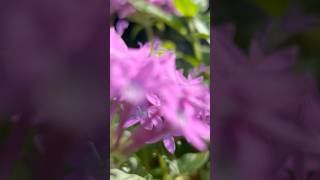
201	27
116	174
202	4
186	8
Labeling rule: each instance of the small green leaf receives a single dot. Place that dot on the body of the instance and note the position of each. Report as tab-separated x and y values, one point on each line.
133	165
201	27
116	174
192	162
169	45
186	8
144	7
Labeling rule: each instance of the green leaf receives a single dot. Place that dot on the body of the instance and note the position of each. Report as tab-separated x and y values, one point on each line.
116	174
169	45
205	174
148	8
189	59
186	8
197	50
201	27
133	165
203	4
146	11
191	162
174	169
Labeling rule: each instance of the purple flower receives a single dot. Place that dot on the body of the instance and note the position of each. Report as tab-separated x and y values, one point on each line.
122	7
169	144
146	116
127	79
160	99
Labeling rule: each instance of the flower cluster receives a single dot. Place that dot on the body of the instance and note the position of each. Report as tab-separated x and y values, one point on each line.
150	92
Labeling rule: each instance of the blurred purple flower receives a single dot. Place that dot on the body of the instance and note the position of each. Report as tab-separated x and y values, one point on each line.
260	108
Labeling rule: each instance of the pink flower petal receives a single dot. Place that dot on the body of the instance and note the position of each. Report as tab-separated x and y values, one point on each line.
169	144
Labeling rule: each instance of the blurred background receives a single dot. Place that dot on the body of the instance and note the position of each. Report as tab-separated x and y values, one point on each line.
266	66
53	81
